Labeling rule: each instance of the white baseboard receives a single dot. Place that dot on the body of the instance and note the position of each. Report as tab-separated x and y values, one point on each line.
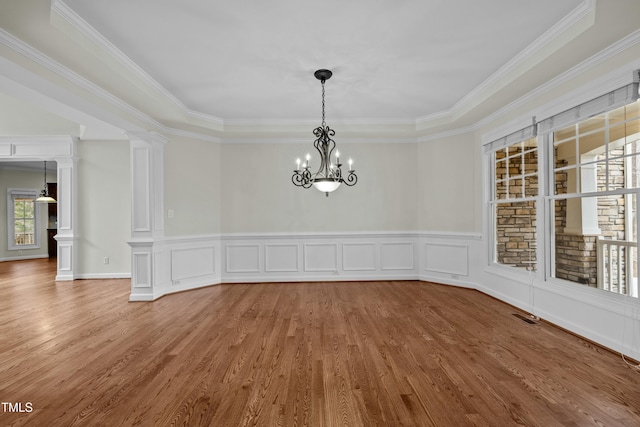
104	276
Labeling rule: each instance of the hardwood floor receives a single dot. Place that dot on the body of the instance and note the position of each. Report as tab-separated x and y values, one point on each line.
295	354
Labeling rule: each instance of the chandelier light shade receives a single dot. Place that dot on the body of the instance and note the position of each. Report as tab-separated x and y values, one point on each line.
329	175
45	197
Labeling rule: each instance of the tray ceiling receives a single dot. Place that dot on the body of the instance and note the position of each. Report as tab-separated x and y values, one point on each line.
254	60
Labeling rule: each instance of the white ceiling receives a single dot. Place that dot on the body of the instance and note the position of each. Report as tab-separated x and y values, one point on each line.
254	59
52	166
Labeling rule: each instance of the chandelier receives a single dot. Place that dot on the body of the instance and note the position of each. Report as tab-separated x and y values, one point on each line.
329	175
45	197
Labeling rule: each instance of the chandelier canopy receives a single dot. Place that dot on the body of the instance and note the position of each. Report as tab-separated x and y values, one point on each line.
329	175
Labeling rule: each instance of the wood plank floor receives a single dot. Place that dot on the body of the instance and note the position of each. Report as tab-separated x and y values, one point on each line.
297	354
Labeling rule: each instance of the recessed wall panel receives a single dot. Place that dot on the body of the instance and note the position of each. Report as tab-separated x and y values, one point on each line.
141	274
359	256
5	150
64	258
321	257
141	196
243	258
281	258
397	256
447	258
192	262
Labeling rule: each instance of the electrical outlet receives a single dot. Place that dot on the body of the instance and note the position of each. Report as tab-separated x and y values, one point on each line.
106	260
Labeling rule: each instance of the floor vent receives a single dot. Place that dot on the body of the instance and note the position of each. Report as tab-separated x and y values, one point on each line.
524	318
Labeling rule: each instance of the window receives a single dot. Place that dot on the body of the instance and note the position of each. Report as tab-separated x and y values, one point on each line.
596	179
573	189
513	200
22	216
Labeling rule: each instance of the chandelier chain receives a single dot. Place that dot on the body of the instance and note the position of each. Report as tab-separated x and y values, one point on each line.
323	121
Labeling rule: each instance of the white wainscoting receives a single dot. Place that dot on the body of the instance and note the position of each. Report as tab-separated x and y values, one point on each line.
194	262
281	258
174	264
294	257
188	262
445	258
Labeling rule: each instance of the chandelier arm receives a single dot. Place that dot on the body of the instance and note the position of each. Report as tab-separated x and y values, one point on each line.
301	179
351	179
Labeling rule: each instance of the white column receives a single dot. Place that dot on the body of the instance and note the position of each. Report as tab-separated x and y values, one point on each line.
147	220
67	233
582	213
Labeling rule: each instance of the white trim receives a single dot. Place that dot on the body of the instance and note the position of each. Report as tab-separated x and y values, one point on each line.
447	134
318	234
307	139
450	235
12	193
100	276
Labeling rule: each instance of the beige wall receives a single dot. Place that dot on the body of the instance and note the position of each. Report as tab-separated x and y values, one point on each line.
258	195
448	184
18	117
104	207
192	186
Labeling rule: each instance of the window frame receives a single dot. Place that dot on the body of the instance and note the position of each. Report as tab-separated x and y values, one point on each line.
547	195
493	199
551	196
12	195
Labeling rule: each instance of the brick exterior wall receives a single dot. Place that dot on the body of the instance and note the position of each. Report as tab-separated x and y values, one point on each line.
516	222
577	258
611	209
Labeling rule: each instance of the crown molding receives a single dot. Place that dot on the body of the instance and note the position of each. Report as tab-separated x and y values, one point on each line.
503	75
9	40
151	137
315	122
84	28
613	80
303	140
192	135
447	133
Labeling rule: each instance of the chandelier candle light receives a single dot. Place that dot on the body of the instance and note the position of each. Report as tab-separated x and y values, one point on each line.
329	175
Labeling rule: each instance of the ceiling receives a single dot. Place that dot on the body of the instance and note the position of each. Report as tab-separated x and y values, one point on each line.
254	59
52	166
